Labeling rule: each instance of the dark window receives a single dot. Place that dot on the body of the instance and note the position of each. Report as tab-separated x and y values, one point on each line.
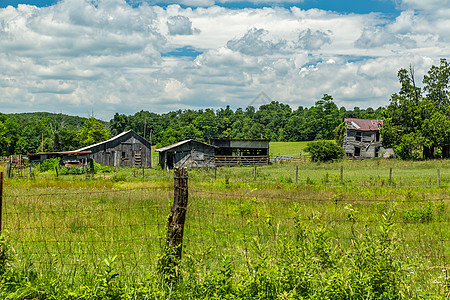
377	137
357	151
123	154
377	151
358	136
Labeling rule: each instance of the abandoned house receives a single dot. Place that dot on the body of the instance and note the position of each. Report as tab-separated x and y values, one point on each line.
127	149
241	152
362	139
188	153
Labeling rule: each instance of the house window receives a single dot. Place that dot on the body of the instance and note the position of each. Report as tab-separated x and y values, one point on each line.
123	154
358	136
357	151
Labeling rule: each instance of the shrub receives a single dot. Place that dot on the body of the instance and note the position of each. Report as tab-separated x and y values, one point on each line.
324	150
49	164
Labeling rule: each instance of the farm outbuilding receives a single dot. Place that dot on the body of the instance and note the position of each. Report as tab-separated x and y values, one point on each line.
218	152
362	139
127	149
245	152
188	153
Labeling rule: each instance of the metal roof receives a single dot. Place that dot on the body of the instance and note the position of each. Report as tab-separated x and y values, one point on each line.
364	124
110	140
182	143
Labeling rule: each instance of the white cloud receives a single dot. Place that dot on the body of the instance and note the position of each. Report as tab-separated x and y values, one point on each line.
107	56
180	25
252	43
313	40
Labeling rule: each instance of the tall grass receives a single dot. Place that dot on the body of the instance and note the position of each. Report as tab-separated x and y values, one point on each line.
101	237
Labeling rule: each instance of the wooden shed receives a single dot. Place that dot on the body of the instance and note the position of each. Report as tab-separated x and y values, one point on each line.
240	152
127	149
362	139
188	153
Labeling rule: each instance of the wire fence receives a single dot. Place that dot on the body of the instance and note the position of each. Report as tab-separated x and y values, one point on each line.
73	232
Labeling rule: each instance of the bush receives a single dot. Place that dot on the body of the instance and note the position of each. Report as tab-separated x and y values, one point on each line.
324	150
49	164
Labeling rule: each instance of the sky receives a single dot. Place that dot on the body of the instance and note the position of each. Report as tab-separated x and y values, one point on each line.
102	57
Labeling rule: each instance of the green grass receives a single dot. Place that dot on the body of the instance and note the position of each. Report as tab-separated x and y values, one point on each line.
288	148
264	239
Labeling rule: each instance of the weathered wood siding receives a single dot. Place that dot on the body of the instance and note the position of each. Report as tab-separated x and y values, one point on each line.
129	150
191	154
368	145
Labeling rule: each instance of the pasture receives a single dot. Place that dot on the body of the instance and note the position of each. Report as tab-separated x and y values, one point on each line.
288	231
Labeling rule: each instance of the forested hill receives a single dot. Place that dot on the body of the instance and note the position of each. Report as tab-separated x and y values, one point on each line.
57	117
35	132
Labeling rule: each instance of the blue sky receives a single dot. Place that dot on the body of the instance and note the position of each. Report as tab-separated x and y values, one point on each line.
350	6
107	56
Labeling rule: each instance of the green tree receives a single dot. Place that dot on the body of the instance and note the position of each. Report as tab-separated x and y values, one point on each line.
92	132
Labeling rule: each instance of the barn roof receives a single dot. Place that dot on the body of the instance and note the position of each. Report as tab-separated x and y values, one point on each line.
363	124
182	143
110	140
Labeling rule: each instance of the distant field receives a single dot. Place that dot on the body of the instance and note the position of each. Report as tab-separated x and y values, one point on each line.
289	148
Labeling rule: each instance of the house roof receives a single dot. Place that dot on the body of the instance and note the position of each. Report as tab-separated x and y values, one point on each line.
182	143
364	124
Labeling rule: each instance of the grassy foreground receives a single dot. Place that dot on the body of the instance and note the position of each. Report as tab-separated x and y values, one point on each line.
102	237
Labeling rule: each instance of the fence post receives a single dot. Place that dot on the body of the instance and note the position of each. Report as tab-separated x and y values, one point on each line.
254	174
296	174
8	169
390	175
143	171
31	174
215	173
342	174
56	169
177	218
438	178
1	199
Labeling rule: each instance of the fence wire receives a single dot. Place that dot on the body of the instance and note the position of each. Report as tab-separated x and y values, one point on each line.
74	232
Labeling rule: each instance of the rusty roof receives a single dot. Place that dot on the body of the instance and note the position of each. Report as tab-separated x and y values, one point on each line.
363	124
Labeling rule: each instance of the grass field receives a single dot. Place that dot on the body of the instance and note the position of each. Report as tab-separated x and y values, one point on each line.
102	237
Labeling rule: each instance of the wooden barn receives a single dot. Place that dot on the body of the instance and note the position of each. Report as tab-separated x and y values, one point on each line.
188	153
127	149
362	139
240	152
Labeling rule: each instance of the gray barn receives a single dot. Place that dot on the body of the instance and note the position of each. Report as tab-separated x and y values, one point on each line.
188	153
362	139
127	149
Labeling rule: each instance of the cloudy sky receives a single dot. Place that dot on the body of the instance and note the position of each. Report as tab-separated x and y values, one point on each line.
81	57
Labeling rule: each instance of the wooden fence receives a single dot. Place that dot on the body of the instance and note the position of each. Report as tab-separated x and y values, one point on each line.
284	158
228	160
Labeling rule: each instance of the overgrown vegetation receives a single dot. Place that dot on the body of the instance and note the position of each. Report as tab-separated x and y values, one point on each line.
324	151
270	239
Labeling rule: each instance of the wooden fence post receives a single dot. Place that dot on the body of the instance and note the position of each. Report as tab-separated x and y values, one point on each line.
438	178
1	199
31	173
177	216
254	174
56	169
390	175
342	174
8	169
215	173
296	174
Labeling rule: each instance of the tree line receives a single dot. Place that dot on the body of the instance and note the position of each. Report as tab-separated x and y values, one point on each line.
416	122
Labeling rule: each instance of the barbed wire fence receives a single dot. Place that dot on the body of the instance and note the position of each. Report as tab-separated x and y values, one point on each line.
73	232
